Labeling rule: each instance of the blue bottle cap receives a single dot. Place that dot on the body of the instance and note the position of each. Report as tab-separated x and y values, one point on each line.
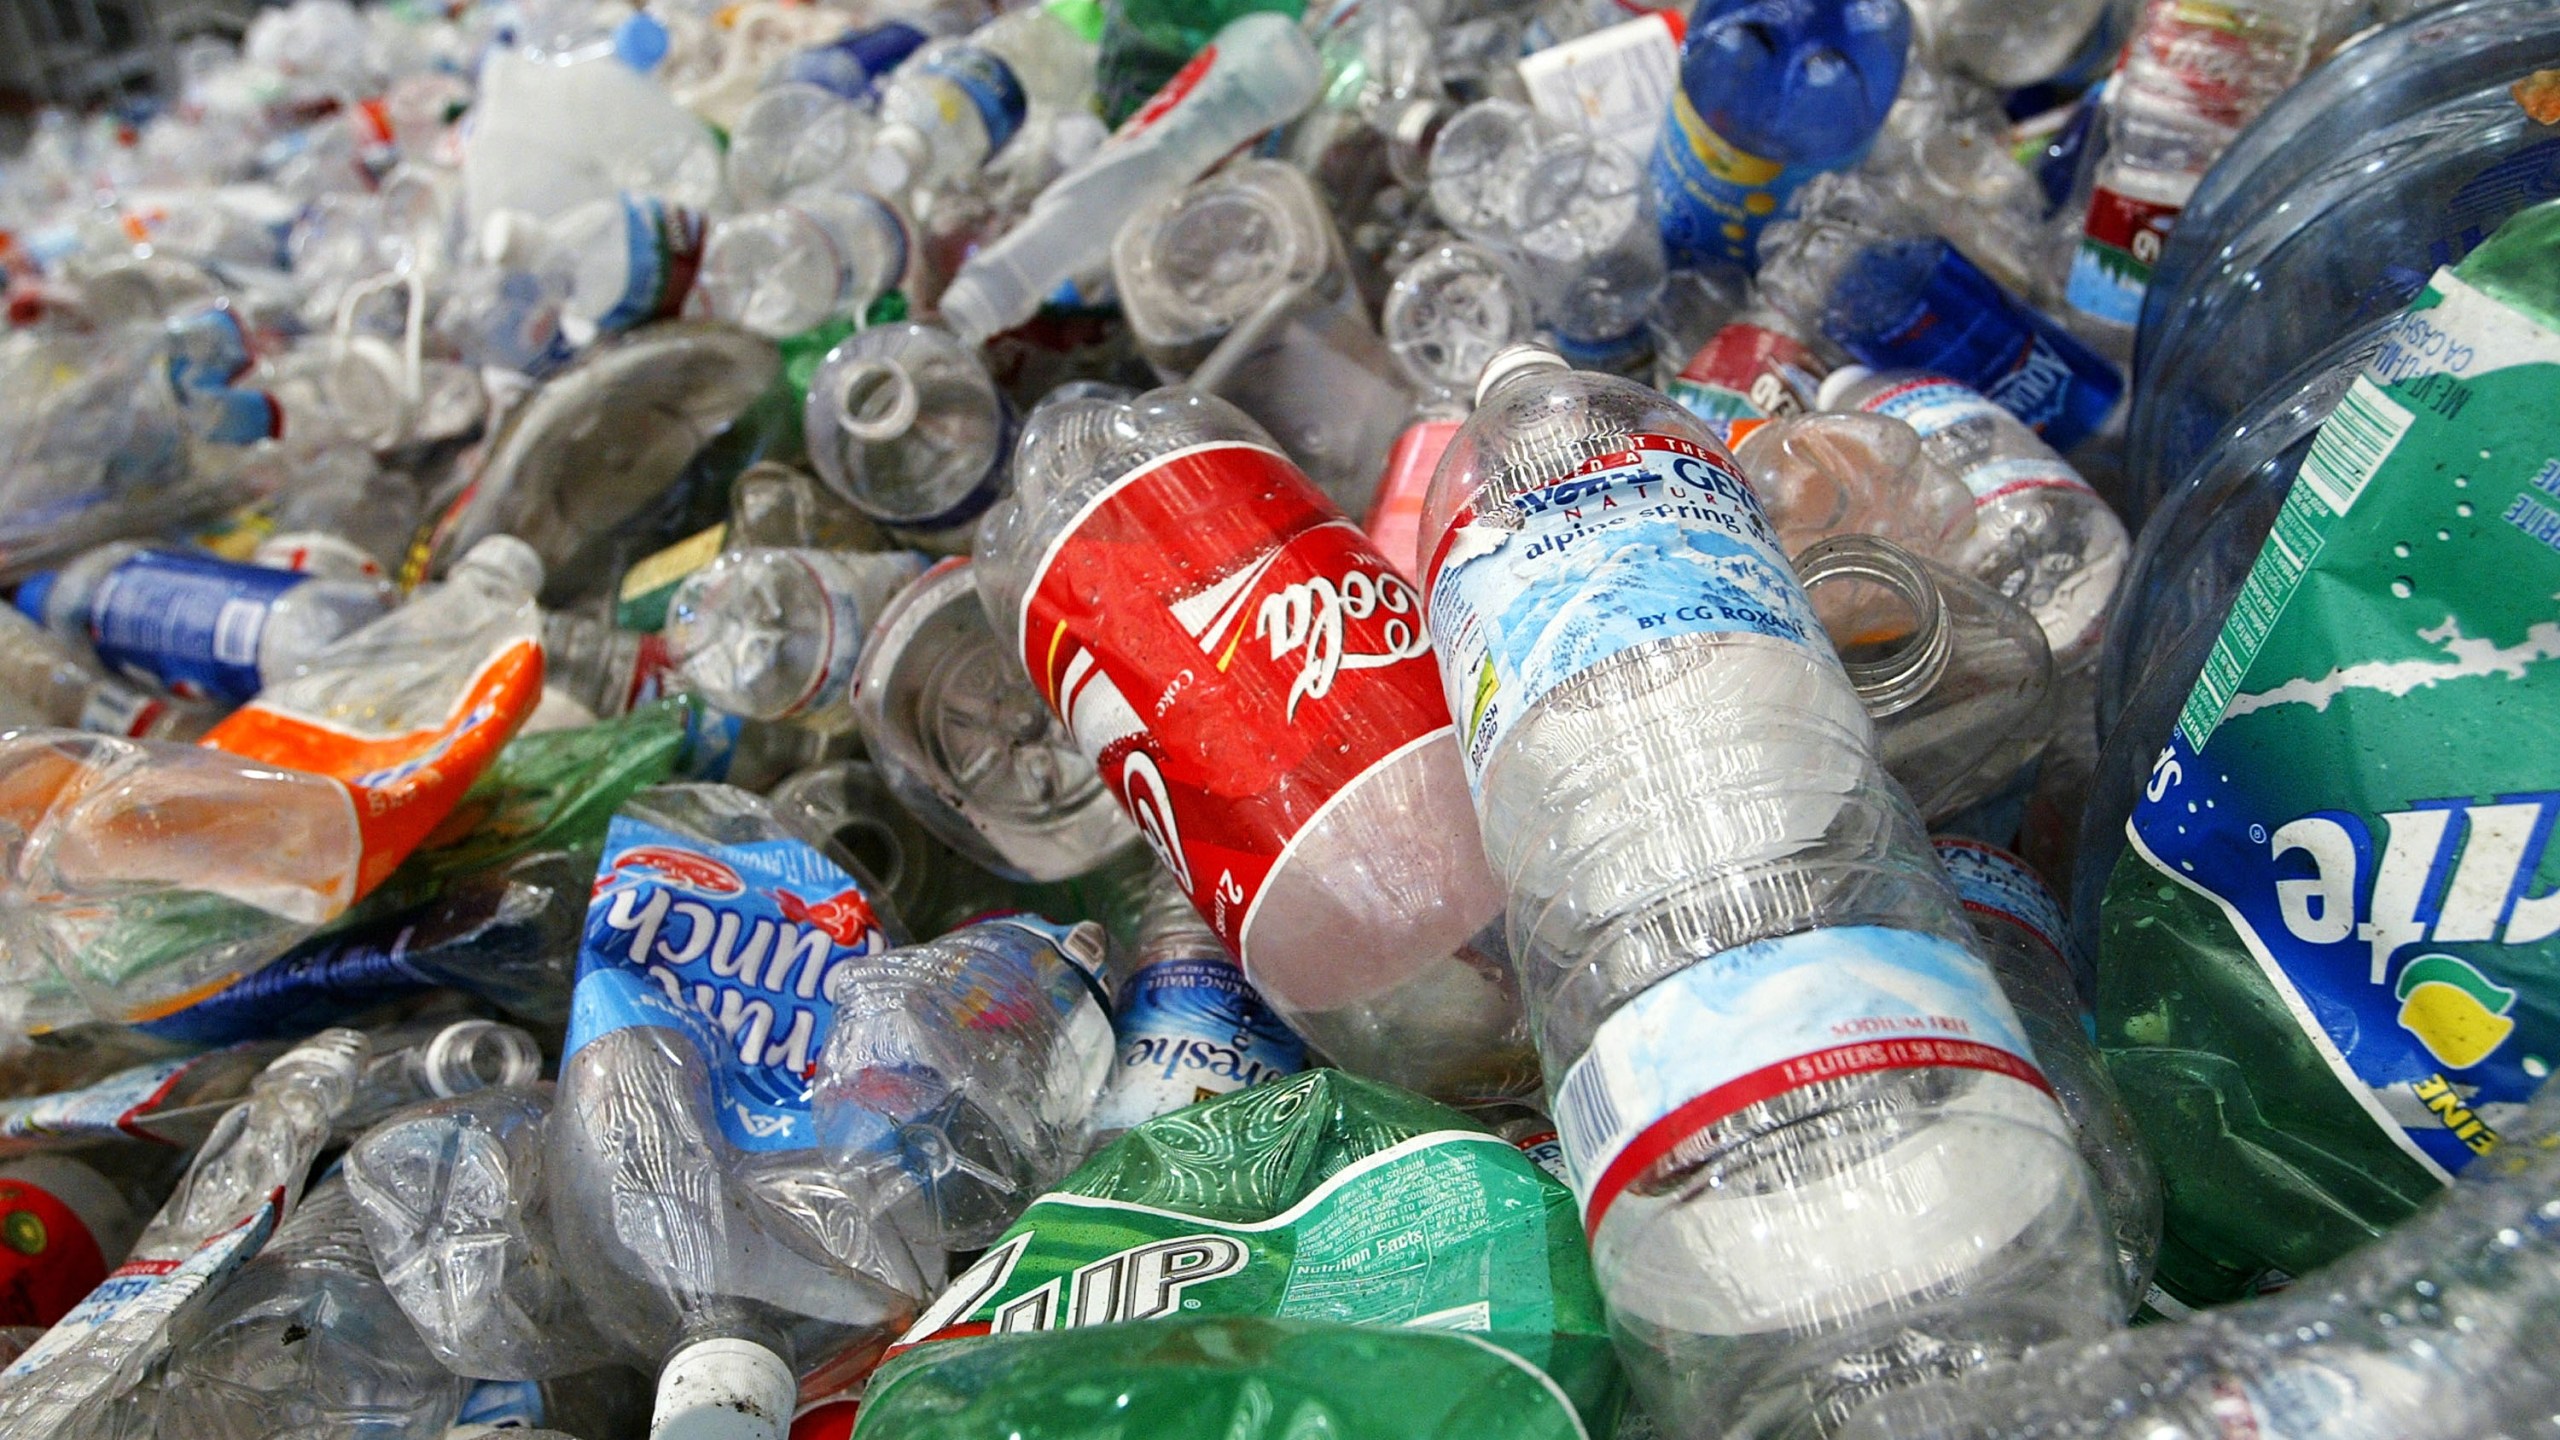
640	42
34	591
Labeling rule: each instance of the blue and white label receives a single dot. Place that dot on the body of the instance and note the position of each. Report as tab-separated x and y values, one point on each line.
1760	1020
1655	540
1192	1029
1991	881
190	622
1933	405
988	85
683	933
1714	197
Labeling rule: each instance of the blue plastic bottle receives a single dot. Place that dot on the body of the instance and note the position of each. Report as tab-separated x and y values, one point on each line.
1917	303
1772	92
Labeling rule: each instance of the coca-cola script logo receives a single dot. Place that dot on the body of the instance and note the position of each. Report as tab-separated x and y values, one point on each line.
1309	619
683	869
1150	805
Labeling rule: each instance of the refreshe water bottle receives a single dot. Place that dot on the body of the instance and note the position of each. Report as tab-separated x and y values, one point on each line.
1771	94
1252	679
1189	1024
1813	1148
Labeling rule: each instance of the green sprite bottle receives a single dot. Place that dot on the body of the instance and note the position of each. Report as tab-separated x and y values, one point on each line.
2329	956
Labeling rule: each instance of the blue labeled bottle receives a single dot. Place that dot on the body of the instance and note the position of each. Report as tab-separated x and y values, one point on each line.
1772	92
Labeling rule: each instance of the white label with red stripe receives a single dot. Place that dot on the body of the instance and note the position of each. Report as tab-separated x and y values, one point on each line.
1932	403
1762	1019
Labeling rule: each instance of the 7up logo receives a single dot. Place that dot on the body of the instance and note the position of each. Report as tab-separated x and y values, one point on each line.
2444	872
1143	1282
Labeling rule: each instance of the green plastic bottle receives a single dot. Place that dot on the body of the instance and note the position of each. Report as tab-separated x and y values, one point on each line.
1315	1255
2329	954
1145	43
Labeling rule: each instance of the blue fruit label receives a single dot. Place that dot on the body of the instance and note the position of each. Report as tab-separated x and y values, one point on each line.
190	622
741	938
1654	541
1190	1030
1714	198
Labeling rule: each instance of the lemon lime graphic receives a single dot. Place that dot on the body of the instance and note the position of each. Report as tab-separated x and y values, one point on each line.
1483	697
2459	1014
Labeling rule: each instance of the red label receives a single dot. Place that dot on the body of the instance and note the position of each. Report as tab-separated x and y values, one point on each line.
49	1261
1231	653
1184	81
1839	1062
1395	516
2139	228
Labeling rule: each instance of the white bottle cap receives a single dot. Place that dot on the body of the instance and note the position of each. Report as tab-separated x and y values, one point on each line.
1836	384
724	1390
510	557
1512	360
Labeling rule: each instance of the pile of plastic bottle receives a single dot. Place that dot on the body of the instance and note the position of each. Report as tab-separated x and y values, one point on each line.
1431	720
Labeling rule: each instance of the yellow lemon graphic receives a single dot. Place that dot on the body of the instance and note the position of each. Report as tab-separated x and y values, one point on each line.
2459	1014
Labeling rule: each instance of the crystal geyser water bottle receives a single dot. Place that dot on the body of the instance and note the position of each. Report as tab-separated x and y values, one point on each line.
1812	1145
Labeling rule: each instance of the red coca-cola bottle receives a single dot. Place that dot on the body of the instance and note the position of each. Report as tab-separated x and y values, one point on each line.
1254	682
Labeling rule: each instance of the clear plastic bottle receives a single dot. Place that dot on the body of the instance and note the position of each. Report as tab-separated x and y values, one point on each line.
628	260
46	682
2021	929
969	747
1189	1024
955	103
306	1339
1239	284
735	1268
1858	267
1759	365
963	1072
1261	72
775	634
903	422
2191	78
1307	794
820	255
81	1381
2433	1329
793	137
1447	313
1957	678
2041	536
1574	213
607	670
203	627
430	1061
1843	473
1813	1150
451	1196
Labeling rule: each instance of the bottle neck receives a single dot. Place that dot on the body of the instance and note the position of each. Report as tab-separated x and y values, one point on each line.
1901	661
